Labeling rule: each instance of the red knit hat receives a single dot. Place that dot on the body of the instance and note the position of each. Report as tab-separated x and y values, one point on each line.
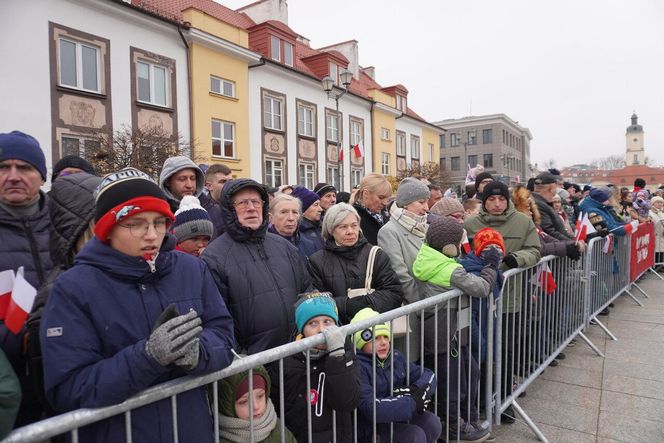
123	194
485	237
258	383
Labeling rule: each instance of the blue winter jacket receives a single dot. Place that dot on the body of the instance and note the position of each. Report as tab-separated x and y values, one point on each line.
94	329
389	408
591	206
304	245
311	231
480	307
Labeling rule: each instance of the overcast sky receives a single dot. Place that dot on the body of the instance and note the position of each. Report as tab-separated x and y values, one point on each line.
572	71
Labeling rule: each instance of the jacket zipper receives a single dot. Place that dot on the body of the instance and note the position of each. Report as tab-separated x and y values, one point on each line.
35	252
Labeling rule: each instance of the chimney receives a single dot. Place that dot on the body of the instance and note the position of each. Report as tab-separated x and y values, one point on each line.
370	71
265	10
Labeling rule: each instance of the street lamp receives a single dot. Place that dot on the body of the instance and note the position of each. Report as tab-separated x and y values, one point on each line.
336	92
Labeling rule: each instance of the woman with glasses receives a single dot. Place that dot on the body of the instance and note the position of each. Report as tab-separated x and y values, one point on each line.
370	202
132	313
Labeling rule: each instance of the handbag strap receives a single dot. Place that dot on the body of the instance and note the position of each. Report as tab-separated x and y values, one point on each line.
370	265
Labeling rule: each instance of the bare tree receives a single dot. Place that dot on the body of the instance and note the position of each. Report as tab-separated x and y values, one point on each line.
609	162
143	148
549	164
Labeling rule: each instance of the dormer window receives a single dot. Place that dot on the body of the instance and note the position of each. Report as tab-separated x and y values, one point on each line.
281	51
401	103
288	54
334	73
275	48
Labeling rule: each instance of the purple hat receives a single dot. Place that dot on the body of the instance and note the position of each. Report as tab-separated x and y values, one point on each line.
306	196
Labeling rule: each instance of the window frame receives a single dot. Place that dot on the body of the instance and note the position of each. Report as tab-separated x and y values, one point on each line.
222	139
332	176
485	157
307	175
330	129
355	176
472	164
454	139
280	168
302	123
487	136
222	81
273	99
356	136
400	136
415	148
152	67
82	141
431	152
384	133
274	39
385	163
455	161
292	53
79	44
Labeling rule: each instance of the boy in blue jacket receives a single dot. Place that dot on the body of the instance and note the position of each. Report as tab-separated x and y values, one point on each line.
397	402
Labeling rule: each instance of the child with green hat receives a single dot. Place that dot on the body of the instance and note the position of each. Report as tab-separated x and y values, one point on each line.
404	406
334	377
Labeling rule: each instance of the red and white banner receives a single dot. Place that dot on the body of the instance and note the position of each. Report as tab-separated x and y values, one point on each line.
544	279
583	227
642	250
6	286
22	298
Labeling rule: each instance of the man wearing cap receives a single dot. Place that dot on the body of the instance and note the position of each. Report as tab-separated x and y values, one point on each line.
179	177
522	249
259	274
482	179
24	230
327	195
310	226
545	189
132	313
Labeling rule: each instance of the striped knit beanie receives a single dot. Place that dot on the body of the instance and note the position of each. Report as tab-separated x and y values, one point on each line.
191	220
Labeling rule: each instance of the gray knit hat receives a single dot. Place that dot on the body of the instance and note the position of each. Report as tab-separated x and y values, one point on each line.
447	206
191	220
444	235
411	190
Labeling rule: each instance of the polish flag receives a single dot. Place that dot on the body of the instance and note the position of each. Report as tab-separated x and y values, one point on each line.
583	227
544	279
20	305
341	153
358	149
631	227
465	246
6	286
608	244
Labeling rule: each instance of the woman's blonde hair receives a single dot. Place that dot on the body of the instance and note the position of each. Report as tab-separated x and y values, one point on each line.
335	215
373	182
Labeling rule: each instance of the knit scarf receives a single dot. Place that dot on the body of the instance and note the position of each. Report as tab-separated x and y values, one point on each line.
237	430
412	223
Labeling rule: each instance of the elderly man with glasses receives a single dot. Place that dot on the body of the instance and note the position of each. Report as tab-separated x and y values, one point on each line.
258	273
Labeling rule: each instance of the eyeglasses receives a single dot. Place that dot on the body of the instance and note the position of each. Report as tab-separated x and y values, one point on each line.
139	228
244	204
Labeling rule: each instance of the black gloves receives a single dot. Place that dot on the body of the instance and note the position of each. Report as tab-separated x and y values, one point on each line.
572	251
492	256
510	261
421	397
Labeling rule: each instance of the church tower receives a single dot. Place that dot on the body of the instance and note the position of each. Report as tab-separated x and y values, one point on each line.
635	154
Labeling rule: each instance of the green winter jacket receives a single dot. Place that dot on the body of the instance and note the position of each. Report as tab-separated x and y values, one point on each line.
227	388
10	396
521	240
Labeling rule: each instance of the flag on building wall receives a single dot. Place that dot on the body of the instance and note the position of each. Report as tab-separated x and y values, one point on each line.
358	149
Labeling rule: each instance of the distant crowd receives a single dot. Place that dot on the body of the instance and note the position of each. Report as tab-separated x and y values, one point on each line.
141	281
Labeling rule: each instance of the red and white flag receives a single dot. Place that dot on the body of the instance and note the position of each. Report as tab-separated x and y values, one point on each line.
6	286
631	227
583	227
341	153
608	244
358	149
544	279
20	304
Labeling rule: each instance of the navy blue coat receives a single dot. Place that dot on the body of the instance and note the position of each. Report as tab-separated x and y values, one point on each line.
388	407
311	231
304	245
258	273
105	307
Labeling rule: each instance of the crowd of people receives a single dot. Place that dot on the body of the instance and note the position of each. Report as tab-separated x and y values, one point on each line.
142	281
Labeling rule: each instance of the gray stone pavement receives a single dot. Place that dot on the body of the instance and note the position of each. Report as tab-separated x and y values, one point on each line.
619	398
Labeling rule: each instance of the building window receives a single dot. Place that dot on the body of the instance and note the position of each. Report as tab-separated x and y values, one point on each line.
78	146
487	136
334	73
385	164
223	139
305	120
355	132
431	155
288	54
384	134
401	103
272	113
414	147
79	65
332	127
152	83
472	138
454	140
472	161
222	87
275	48
355	177
636	159
274	170
456	164
333	176
487	161
306	175
442	140
443	164
401	143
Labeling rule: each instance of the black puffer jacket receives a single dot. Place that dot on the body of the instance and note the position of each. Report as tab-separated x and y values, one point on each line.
259	275
213	209
368	223
24	242
339	268
72	209
551	223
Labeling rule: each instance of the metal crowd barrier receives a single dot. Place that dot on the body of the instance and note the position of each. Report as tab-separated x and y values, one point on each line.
445	306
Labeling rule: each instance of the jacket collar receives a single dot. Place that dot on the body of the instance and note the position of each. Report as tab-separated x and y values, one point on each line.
238	232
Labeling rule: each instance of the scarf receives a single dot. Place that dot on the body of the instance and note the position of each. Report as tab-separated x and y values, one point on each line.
237	430
412	223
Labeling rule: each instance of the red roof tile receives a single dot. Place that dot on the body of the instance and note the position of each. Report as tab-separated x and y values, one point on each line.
172	10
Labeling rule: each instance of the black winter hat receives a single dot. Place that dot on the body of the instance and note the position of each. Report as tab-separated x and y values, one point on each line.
481	176
444	235
639	183
495	188
71	161
323	188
